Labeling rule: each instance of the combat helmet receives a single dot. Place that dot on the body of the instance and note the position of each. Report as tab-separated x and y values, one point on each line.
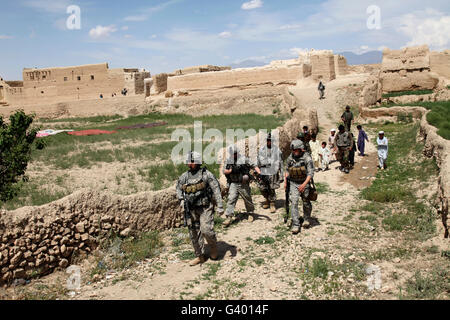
297	144
194	157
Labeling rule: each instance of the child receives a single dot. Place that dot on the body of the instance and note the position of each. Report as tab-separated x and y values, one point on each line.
362	138
332	143
325	156
315	146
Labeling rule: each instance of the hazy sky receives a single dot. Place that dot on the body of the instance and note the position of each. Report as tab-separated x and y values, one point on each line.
162	36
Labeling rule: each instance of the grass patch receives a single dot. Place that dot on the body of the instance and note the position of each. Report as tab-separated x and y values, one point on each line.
265	240
406	93
322	187
186	255
431	285
393	186
118	254
259	261
212	271
42	291
439	116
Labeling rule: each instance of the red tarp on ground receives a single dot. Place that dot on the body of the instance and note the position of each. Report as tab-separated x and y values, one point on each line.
93	132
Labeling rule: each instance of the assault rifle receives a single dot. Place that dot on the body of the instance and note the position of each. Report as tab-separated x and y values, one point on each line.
187	211
288	190
263	179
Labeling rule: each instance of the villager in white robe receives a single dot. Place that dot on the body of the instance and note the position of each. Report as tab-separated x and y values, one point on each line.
382	151
325	157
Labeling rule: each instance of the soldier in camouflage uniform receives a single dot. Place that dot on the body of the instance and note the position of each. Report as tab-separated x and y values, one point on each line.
237	170
202	192
344	143
304	138
348	118
300	170
270	171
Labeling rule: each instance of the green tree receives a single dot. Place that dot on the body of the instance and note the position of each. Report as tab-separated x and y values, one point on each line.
16	142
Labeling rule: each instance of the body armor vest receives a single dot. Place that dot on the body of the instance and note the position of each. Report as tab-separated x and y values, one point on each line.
297	171
197	191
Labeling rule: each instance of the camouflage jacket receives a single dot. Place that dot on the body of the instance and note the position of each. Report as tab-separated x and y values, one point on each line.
300	168
343	139
241	167
200	187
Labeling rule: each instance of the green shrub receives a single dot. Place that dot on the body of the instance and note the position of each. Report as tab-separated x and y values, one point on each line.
16	141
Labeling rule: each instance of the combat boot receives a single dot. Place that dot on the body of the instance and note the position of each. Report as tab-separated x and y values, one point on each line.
213	253
266	204
295	230
272	207
306	224
198	260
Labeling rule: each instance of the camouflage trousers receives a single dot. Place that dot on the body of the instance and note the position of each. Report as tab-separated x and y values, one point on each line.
348	126
269	194
294	198
343	157
202	228
236	190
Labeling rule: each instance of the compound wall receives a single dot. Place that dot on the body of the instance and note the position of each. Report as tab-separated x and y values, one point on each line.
236	77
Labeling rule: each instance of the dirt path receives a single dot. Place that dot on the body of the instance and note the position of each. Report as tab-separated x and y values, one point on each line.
250	269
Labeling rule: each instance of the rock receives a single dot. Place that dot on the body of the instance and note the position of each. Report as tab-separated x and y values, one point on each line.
126	232
19	282
19	273
64	263
84	237
397	260
16	259
80	227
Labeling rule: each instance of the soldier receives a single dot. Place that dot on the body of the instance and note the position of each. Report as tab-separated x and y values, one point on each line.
321	89
300	171
303	138
344	143
237	169
347	117
201	190
270	171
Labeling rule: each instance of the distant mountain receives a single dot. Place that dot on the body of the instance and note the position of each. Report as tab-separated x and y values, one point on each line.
371	57
248	64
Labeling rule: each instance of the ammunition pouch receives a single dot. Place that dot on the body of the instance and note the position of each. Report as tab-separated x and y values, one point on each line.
297	173
197	193
194	188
